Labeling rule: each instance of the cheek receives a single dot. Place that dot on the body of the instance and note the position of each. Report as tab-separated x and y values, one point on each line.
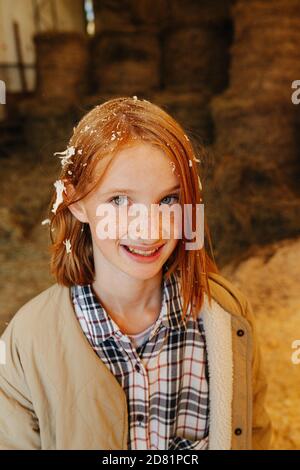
122	223
172	245
104	223
107	246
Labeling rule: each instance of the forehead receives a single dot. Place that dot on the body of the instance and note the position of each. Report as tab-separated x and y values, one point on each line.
140	166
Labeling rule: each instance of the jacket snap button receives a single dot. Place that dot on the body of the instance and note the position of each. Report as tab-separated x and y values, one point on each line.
240	332
238	431
140	417
137	368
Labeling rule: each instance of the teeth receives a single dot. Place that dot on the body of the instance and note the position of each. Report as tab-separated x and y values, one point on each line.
140	252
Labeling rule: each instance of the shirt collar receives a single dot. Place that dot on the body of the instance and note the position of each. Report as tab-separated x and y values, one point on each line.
103	326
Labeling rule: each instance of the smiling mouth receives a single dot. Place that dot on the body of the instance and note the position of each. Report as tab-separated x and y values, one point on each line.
142	252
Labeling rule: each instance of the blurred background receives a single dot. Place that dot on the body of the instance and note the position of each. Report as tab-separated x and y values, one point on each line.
226	70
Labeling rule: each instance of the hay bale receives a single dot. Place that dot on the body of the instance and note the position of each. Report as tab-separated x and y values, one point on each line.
261	130
128	15
125	62
251	198
254	186
47	125
191	109
195	12
26	190
265	53
61	65
196	59
263	13
248	205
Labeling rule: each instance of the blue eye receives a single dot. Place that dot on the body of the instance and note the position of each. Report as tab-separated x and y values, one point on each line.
174	196
116	198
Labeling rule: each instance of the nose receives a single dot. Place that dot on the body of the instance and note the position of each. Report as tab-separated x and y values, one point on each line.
149	226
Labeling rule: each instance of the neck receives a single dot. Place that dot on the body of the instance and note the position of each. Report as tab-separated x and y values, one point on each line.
132	303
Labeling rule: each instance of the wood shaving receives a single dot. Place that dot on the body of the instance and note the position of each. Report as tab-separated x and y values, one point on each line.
66	155
60	187
46	221
199	181
68	245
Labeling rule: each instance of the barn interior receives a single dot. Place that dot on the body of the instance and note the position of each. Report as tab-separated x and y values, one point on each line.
228	71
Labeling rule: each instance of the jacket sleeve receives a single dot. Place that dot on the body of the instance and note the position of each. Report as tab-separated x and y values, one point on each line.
19	427
261	422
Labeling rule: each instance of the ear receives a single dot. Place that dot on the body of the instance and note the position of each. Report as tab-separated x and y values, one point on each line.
77	208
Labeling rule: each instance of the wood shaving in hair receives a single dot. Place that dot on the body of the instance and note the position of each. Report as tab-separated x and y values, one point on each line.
199	181
67	242
60	187
45	221
66	155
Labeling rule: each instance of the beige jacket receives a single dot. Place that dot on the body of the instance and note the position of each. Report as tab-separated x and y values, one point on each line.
56	393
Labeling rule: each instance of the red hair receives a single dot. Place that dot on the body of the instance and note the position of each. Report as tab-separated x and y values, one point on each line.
103	131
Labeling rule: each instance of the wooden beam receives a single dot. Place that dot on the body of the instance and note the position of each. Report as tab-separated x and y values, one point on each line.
21	68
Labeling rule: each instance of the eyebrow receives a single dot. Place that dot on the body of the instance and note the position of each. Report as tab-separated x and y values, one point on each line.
132	191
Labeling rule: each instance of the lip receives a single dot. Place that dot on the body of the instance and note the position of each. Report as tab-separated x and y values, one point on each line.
141	258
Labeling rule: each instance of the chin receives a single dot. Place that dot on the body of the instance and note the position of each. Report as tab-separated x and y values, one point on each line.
143	272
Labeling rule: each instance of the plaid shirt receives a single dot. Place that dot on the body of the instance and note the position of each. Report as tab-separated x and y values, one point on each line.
165	379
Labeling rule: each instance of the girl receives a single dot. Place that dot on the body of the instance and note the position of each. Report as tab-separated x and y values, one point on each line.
140	343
